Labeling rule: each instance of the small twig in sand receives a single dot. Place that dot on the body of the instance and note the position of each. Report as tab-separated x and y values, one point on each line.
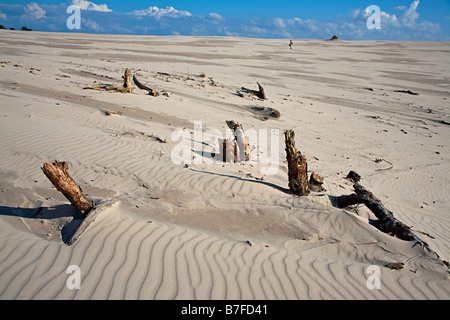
408	92
389	168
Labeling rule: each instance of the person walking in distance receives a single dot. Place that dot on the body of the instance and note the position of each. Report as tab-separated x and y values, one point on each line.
290	44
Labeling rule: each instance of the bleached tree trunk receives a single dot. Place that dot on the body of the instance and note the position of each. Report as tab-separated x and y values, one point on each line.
127	80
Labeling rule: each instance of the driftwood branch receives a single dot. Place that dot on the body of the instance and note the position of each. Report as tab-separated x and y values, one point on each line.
108	87
259	93
385	217
151	91
58	174
126	88
297	166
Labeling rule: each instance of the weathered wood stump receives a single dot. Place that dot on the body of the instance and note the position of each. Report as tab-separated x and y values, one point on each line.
228	150
297	166
127	80
58	174
243	148
316	182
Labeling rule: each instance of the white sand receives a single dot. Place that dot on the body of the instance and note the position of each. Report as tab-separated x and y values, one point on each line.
185	233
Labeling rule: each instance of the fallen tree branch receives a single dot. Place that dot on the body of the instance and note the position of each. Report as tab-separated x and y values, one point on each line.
108	87
259	93
385	217
151	91
407	91
126	88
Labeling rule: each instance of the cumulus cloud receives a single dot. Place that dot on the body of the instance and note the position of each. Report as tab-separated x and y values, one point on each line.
92	25
411	15
215	16
87	5
34	10
162	12
3	16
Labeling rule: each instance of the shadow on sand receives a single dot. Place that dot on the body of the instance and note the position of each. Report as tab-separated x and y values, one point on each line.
67	215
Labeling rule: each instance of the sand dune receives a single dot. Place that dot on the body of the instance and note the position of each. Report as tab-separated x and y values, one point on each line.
219	231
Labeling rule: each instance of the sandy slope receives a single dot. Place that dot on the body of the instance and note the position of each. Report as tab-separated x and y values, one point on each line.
213	231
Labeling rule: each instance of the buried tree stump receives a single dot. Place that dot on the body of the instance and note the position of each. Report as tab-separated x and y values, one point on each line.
235	149
228	150
58	174
127	80
297	166
243	152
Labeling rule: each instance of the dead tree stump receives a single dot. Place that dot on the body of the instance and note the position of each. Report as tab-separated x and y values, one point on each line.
243	152
228	150
297	166
58	174
127	80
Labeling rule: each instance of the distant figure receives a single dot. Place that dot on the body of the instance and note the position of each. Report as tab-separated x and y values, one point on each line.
290	44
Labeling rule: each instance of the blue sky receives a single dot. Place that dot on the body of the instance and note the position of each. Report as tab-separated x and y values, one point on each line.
410	20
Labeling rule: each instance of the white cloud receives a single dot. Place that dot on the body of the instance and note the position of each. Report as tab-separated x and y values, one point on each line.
34	10
87	5
278	22
166	12
215	16
91	24
3	16
390	20
411	15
